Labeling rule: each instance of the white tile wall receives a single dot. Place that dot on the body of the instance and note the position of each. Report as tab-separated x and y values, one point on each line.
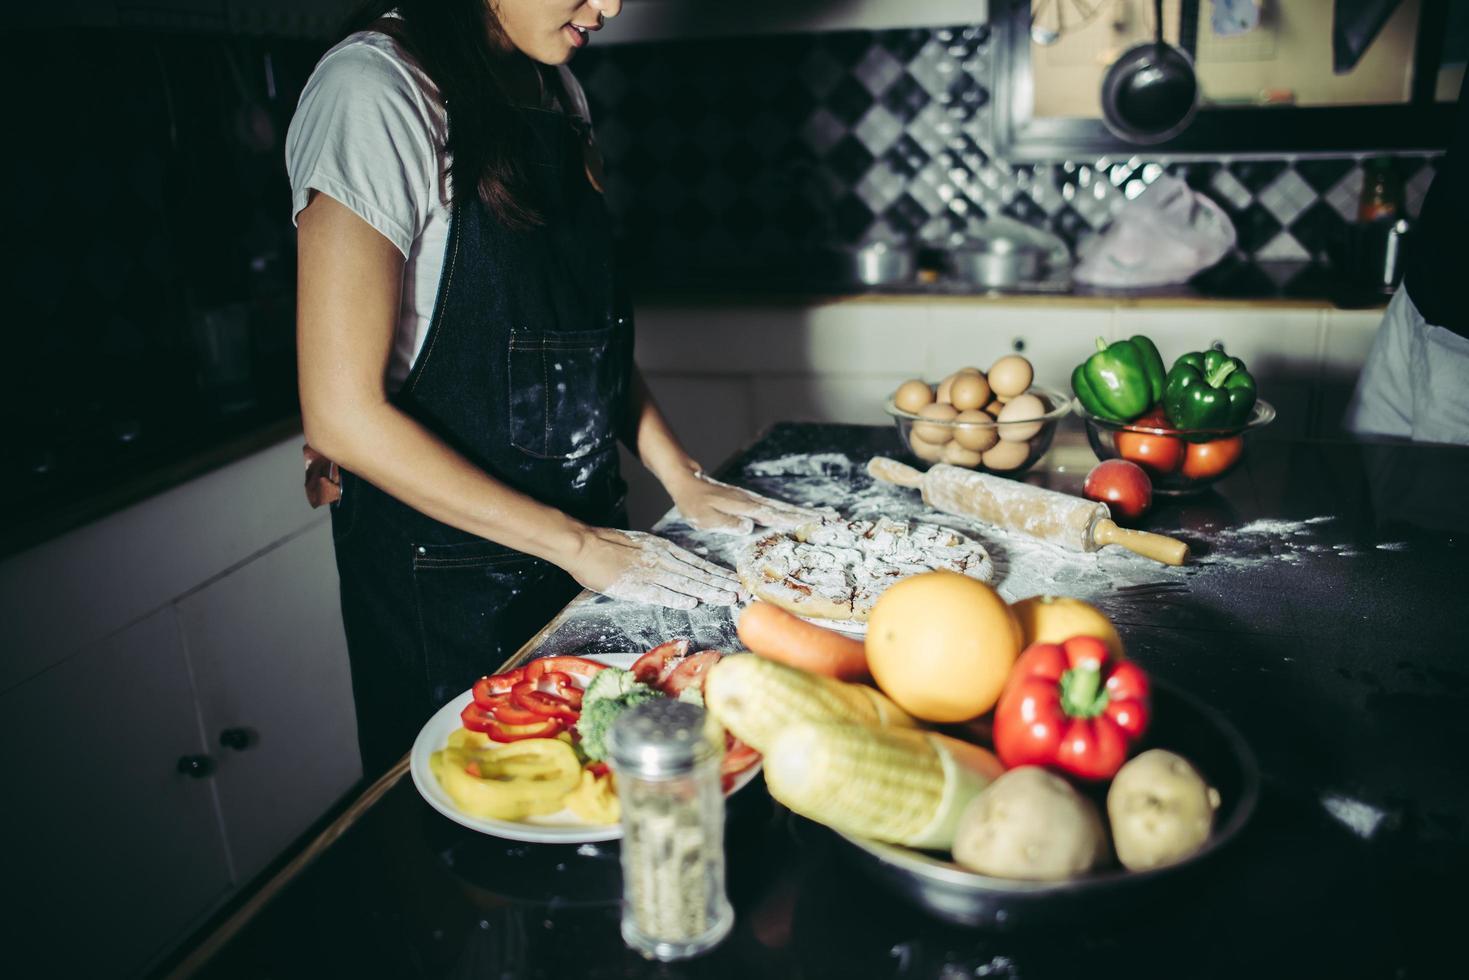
839	361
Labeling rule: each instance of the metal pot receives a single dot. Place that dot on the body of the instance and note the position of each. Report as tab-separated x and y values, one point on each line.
997	263
879	263
873	264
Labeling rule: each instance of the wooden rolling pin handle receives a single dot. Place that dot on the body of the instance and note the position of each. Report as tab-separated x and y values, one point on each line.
1159	547
892	471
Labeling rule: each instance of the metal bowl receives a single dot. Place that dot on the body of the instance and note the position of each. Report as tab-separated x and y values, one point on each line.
1181	724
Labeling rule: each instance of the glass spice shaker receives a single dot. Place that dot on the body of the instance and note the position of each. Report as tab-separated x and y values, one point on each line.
666	757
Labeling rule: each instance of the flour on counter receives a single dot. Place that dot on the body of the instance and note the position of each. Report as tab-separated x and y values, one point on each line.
1023	566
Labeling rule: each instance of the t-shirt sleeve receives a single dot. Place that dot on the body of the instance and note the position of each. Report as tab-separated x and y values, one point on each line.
362	134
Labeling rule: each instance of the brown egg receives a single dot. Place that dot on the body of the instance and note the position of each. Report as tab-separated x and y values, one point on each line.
957	455
1007	456
936	434
978	437
913	395
948	383
925	450
1014	424
1010	376
969	391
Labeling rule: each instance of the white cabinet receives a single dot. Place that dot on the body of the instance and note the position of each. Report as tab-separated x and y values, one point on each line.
274	690
142	639
657	20
110	851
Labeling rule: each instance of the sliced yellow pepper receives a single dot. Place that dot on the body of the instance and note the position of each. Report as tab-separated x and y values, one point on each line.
595	800
509	781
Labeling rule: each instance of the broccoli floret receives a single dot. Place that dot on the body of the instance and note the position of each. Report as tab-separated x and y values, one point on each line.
597	718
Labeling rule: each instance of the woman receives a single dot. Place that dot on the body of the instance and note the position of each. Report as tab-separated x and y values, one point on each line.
465	355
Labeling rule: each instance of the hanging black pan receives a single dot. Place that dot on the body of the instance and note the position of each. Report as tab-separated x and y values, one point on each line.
1150	94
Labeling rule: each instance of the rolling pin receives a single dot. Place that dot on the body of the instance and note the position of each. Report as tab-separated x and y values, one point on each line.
1071	522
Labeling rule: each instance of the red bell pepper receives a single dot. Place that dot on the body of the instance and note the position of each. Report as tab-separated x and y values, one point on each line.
565	664
545	705
478	719
486	689
1073	707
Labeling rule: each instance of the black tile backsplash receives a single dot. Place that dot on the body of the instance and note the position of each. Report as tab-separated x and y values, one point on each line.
731	155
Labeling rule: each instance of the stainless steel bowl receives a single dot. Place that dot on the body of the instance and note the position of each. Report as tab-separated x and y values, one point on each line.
878	264
997	263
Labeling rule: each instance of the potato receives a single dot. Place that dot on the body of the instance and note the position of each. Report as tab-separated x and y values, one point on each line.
1161	810
1030	824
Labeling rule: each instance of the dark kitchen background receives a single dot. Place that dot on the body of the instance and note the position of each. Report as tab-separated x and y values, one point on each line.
152	270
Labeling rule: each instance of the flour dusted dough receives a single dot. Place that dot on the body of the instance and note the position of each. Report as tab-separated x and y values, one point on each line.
836	571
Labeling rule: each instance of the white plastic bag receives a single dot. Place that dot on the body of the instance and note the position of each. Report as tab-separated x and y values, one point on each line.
1164	235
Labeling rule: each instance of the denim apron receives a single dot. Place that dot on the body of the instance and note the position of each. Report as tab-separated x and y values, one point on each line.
525	372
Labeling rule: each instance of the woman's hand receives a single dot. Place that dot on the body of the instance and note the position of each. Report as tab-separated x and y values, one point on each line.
645	568
710	505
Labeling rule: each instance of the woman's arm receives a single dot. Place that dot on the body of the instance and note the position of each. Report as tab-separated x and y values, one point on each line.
704	502
349	281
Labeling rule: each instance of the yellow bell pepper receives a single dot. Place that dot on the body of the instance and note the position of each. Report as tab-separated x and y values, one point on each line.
506	781
595	800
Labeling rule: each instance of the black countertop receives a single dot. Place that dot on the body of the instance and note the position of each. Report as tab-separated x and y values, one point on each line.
1320	612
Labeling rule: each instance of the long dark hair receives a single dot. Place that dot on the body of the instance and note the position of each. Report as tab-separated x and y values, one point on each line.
455	42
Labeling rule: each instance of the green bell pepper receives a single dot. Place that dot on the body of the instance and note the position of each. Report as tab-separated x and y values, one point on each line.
1122	381
1208	390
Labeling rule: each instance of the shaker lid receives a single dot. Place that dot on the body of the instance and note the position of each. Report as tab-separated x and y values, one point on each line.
660	738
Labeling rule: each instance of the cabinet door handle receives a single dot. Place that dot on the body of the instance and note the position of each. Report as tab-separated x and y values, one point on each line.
197	766
238	739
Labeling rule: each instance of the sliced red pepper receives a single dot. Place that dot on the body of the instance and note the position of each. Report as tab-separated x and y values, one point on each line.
561	685
1073	707
575	666
737	757
542	704
478	719
598	769
507	712
486	688
652	667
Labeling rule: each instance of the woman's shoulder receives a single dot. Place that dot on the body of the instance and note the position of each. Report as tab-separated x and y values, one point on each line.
371	65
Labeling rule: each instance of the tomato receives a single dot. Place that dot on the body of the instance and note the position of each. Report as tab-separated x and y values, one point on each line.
1155	453
737	757
1210	459
652	667
688	672
579	667
1120	484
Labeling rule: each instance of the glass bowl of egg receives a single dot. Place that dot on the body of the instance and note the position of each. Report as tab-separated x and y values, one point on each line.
994	420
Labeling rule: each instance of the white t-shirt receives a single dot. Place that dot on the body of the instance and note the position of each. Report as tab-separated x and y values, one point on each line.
370	131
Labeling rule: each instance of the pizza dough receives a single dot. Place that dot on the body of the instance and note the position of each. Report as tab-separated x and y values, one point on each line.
836	571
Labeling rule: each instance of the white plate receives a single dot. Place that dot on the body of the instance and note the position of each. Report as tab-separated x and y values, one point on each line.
562	827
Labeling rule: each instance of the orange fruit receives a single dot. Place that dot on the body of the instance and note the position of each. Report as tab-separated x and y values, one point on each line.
941	645
1057	618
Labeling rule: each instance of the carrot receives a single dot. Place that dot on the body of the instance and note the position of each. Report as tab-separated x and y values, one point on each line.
775	634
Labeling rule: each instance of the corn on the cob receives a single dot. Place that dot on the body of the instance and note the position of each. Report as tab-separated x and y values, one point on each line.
898	785
756	698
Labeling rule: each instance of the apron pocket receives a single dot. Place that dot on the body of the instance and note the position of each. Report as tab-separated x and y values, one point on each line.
477	603
565	392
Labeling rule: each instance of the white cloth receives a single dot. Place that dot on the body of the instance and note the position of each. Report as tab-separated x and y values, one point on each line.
1164	235
370	131
1415	384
